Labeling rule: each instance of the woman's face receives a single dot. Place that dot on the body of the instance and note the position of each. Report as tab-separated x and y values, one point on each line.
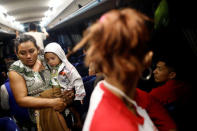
27	53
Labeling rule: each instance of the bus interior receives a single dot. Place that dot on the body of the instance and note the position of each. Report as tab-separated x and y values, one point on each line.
174	33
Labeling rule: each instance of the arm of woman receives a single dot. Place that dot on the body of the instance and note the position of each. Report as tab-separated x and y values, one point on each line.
18	86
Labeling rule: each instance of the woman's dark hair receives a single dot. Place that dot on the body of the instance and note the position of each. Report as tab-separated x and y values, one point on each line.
22	39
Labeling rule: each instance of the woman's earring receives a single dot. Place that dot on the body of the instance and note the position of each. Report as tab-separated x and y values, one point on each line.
146	75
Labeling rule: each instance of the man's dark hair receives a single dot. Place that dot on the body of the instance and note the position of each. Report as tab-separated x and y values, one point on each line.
171	63
32	26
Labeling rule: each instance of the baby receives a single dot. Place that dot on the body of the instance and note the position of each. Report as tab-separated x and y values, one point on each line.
63	73
64	77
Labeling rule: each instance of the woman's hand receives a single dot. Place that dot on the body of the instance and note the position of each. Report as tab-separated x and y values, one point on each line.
59	104
68	96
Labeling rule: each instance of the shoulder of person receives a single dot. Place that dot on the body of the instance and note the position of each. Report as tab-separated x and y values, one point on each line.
27	33
17	63
19	67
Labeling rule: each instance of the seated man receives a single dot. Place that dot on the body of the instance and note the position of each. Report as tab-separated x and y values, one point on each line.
170	89
171	92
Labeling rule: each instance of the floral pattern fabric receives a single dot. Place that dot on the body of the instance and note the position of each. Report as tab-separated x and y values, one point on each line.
36	82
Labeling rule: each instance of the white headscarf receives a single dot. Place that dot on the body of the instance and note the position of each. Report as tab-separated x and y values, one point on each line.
57	49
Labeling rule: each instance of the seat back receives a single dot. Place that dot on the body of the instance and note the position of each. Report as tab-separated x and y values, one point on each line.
20	114
7	124
81	68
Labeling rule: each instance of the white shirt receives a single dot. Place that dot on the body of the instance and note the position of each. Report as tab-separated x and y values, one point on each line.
39	36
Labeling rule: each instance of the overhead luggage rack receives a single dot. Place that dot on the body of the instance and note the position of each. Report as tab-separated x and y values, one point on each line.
91	9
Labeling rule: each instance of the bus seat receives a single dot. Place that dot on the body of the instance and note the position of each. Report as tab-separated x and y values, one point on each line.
20	114
7	124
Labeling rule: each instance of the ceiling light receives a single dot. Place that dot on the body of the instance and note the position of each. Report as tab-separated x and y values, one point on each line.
55	3
2	9
10	18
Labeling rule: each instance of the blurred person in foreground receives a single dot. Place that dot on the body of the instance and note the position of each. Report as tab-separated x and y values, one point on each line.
118	49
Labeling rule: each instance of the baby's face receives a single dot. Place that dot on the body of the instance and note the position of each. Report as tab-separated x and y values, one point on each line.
52	59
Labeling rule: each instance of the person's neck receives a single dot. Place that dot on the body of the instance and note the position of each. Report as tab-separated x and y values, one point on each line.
128	91
110	81
37	66
99	74
32	31
126	96
57	66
